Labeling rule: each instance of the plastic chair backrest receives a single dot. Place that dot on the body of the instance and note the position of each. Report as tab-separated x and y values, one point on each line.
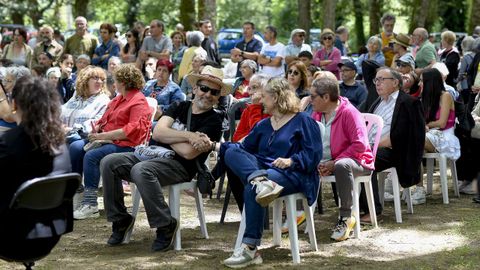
152	103
45	193
231	115
372	120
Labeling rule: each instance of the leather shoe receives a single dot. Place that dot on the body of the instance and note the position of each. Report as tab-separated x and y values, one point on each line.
165	237
365	219
120	230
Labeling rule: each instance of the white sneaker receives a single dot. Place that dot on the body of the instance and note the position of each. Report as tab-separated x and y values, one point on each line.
467	188
77	200
86	211
388	197
242	257
419	196
267	190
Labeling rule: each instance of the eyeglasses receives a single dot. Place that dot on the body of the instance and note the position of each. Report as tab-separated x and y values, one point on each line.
382	80
128	35
293	72
96	78
328	38
205	89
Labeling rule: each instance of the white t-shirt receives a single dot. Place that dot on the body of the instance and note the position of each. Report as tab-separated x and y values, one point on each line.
274	51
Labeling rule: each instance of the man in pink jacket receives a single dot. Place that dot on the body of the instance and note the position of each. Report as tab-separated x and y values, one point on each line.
348	154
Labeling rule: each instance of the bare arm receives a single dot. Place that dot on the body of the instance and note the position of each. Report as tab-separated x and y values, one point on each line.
165	54
446	104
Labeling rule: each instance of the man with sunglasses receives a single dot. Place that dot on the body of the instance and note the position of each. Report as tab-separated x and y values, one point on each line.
403	135
150	176
296	45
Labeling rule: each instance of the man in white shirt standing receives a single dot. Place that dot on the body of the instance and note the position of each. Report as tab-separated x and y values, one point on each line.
272	54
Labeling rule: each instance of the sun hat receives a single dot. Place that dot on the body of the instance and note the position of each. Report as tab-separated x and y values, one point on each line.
210	74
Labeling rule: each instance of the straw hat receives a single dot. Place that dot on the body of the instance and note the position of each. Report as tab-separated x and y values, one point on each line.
403	40
210	74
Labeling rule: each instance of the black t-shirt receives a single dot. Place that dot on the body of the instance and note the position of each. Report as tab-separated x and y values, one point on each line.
212	50
451	59
209	122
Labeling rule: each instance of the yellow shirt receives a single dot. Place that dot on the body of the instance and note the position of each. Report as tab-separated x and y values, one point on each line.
385	43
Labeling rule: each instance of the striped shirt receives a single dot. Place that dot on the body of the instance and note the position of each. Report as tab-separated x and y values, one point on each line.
385	110
82	112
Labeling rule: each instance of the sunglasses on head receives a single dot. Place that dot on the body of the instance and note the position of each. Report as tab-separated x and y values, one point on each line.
293	72
328	38
205	89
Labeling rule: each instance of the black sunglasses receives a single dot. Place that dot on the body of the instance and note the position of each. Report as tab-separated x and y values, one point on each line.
128	35
329	38
205	89
293	72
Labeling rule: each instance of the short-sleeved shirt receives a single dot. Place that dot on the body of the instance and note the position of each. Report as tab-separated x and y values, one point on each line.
209	123
293	50
386	40
425	54
151	44
277	50
254	45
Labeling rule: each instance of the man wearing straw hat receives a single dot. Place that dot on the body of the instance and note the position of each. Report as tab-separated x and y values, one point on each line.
151	175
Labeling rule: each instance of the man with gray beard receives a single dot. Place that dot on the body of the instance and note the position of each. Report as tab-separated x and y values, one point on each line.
47	45
151	175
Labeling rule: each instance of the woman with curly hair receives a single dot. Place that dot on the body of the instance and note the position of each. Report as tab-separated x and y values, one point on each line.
29	149
125	124
278	157
88	105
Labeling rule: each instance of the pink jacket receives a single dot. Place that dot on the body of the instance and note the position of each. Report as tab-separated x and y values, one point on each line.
348	135
335	56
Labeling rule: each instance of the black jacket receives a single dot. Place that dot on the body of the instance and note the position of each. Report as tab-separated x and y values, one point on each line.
407	135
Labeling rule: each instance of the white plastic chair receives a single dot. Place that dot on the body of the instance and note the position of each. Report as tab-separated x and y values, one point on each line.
290	204
174	205
396	193
371	120
443	162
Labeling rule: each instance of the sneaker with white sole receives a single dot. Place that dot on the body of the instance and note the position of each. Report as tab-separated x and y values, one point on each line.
342	229
86	211
467	187
419	196
77	200
388	197
301	218
267	190
242	257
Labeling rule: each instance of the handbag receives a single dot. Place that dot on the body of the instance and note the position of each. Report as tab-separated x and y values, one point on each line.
205	179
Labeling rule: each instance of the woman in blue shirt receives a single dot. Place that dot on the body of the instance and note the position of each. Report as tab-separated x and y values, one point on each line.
278	157
374	46
108	48
162	88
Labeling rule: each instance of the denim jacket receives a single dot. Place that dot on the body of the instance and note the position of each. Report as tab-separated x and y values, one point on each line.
169	94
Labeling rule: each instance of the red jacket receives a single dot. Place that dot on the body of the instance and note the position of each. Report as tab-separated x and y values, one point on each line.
250	116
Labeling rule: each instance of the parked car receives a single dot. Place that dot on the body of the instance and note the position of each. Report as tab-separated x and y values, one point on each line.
315	39
228	37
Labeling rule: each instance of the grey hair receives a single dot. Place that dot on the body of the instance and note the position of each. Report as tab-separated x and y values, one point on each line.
387	17
395	74
115	58
467	44
262	79
55	71
327	85
376	39
84	56
3	72
195	38
250	64
200	56
18	72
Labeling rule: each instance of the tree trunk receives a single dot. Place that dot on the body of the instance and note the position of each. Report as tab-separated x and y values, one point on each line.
358	10
207	10
329	14
304	18
475	15
132	12
420	14
375	15
187	14
80	8
17	17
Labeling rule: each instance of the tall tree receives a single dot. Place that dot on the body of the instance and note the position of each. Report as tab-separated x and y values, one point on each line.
360	35
329	14
475	14
133	6
420	14
375	15
304	16
187	13
80	8
207	9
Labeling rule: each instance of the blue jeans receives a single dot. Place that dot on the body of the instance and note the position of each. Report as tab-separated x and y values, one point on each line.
246	166
88	163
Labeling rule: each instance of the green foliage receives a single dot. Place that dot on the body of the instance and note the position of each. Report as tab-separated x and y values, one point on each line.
233	13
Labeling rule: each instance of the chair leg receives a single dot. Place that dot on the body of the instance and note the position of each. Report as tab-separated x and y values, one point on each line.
453	169
174	204
443	178
430	175
292	227
266	220
396	198
201	213
241	230
356	208
309	210
277	222
371	203
320	199
408	196
226	201
381	186
136	205
220	186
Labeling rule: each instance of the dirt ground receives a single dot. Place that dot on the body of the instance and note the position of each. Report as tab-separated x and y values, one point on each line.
436	236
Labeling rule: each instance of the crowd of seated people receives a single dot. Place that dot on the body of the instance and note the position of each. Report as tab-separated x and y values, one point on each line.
422	96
